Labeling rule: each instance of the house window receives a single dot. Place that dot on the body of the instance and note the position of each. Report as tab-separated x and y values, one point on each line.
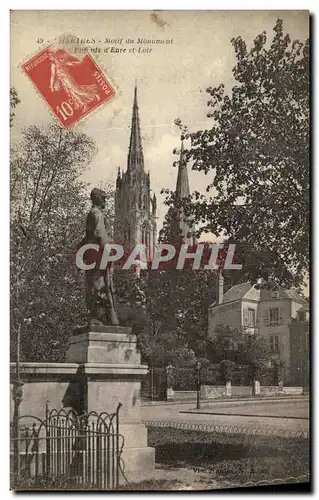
251	318
274	316
274	344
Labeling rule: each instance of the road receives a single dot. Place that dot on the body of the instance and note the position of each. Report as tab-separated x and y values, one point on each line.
289	415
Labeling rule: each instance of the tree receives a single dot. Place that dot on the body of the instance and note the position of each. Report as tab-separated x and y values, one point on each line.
258	150
279	368
233	345
226	344
48	208
257	355
14	101
227	368
168	310
255	348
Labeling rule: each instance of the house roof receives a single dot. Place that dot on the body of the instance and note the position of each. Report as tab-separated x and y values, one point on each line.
303	309
266	294
237	292
292	294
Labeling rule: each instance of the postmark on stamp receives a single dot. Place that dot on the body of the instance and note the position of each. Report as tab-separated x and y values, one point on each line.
71	87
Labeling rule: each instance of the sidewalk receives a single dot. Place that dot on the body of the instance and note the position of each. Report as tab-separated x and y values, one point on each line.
251	399
265	413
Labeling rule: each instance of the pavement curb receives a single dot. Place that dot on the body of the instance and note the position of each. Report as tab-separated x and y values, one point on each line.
300	397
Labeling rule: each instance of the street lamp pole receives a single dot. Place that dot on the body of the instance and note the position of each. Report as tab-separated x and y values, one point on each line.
198	368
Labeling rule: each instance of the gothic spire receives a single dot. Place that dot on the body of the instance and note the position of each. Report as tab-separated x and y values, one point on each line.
135	155
182	184
154	205
182	226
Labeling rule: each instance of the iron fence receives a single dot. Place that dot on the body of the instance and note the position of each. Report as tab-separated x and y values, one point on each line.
228	429
66	450
184	378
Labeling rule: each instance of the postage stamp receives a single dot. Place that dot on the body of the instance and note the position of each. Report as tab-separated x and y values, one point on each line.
71	87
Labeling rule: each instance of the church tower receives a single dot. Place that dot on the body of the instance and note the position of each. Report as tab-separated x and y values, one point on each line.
179	227
135	209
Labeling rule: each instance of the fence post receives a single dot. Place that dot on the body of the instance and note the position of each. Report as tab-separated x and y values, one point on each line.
16	451
17	398
47	439
118	445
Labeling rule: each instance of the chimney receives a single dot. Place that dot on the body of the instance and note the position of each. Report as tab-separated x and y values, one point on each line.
220	288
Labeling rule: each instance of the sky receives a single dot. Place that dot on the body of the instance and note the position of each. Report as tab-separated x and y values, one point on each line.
171	79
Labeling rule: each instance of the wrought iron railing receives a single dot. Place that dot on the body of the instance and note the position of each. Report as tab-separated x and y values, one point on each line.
66	450
228	429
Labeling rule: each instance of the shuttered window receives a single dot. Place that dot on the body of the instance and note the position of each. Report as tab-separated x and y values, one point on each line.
274	344
281	317
251	318
276	316
245	316
266	317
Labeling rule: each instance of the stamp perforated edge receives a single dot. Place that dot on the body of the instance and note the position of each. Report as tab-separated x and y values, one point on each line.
81	120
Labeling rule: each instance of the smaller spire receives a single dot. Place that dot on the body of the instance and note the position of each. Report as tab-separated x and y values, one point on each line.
182	227
154	205
182	184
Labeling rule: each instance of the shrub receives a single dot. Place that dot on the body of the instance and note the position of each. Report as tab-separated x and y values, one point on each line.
227	368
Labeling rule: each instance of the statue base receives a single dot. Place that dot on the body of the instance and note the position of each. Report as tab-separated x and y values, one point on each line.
103	344
111	366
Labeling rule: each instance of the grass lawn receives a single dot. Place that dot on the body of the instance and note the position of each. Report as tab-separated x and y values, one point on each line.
231	459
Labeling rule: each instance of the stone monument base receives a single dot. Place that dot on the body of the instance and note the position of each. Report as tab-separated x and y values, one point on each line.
111	364
102	368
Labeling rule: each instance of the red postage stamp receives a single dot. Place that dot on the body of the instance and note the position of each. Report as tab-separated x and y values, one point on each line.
71	87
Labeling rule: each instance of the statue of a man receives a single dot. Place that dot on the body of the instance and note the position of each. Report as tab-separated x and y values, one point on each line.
100	296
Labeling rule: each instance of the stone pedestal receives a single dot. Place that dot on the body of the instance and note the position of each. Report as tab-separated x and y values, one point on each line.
170	394
228	390
256	388
111	369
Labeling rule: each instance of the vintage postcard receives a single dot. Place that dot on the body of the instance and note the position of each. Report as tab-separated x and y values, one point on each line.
159	211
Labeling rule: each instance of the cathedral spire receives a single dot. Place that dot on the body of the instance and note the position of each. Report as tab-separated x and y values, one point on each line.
135	154
154	205
182	227
182	184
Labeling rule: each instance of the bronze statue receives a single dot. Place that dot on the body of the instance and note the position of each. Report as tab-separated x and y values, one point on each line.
100	296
